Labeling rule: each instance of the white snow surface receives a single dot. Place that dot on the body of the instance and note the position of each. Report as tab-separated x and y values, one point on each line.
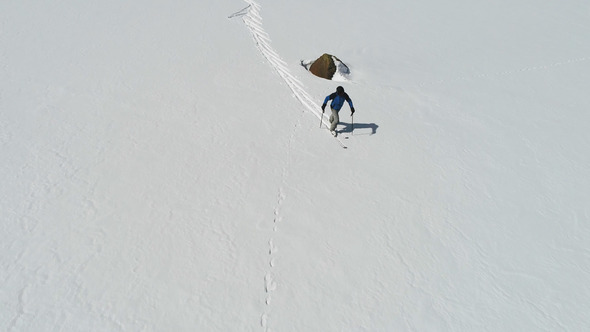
162	166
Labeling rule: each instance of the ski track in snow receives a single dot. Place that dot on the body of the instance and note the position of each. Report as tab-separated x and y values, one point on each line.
252	19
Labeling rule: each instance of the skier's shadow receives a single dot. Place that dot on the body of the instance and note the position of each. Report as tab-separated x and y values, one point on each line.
358	128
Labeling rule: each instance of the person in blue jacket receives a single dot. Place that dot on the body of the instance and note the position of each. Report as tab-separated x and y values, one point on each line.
338	98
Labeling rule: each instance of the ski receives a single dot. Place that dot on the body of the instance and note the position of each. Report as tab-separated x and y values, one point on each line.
342	145
327	127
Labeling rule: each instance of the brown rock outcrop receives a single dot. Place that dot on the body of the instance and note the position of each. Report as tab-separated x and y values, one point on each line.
324	66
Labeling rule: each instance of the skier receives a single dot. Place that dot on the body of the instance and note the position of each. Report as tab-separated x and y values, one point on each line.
338	99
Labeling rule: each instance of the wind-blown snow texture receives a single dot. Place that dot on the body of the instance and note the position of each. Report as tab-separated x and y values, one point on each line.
163	170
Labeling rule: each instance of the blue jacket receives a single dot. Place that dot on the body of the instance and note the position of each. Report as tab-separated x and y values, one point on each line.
338	100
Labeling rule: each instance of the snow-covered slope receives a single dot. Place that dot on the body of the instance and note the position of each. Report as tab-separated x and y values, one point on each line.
163	170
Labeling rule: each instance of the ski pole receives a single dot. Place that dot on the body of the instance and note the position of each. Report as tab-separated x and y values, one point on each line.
321	118
352	124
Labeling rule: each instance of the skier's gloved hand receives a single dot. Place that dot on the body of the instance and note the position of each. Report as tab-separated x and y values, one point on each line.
323	107
351	111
